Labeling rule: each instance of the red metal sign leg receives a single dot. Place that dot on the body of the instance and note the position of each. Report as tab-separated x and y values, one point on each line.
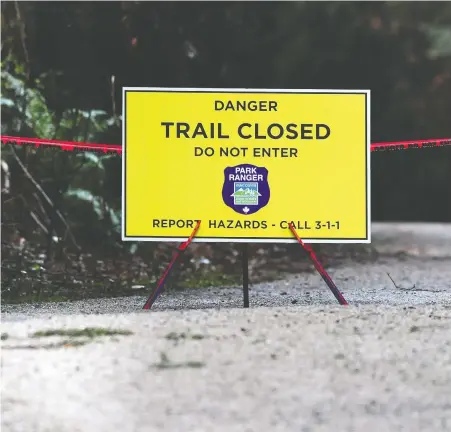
159	287
320	269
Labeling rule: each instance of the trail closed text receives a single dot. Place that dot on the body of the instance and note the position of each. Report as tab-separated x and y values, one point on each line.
246	131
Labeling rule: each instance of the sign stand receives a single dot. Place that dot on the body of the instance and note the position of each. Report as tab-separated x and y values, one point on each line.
245	266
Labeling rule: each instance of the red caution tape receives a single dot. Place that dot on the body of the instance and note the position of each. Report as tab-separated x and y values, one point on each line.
64	145
404	145
74	145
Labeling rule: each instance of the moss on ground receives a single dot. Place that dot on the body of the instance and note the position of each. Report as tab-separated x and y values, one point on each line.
90	332
211	279
72	337
165	363
183	336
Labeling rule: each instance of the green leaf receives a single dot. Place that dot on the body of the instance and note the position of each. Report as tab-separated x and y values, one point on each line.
6	102
95	159
85	195
81	194
115	219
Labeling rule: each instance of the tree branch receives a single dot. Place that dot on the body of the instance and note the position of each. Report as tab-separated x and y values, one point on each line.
46	198
23	37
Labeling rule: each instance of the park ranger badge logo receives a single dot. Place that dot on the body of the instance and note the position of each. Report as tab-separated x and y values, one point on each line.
246	188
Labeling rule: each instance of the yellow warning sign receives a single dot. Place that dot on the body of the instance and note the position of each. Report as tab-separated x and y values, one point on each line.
246	163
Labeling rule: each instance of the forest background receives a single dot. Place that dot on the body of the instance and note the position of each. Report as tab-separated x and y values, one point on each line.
63	67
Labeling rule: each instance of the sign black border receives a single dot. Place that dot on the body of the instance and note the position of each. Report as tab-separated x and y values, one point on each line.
351	240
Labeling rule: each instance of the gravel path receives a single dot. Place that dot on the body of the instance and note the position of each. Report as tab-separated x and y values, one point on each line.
360	284
294	361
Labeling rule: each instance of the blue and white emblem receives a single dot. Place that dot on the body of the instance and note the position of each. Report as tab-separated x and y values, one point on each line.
246	188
